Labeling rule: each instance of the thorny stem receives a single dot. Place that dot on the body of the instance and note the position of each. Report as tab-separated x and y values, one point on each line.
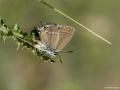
75	21
25	39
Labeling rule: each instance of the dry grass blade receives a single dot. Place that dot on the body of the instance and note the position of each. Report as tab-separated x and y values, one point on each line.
75	21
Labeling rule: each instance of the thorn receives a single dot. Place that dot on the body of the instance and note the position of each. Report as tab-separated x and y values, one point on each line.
18	46
33	51
4	38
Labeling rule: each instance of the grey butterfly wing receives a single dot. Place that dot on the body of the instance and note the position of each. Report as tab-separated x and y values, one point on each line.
50	37
65	35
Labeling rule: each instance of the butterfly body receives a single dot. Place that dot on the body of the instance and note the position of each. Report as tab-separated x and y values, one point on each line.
53	38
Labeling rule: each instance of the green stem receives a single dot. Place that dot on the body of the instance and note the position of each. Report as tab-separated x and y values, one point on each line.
21	38
75	21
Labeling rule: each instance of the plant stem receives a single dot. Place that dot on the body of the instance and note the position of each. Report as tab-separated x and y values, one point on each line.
75	21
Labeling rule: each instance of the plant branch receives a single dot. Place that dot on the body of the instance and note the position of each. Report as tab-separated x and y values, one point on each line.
75	21
25	39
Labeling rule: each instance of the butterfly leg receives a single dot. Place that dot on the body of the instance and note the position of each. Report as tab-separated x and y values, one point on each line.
59	58
51	60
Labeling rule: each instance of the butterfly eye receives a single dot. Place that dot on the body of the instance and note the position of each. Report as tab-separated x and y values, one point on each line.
58	27
45	27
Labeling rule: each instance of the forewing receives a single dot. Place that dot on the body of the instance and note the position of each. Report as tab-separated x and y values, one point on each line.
45	38
50	37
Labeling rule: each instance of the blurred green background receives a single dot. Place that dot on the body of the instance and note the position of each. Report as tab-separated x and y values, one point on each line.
93	66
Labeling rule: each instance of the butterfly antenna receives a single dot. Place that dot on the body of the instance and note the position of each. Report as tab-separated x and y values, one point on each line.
71	51
59	58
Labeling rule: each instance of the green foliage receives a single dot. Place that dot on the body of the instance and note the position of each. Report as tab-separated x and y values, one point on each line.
27	40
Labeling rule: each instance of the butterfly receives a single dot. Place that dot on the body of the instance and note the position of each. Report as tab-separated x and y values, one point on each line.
53	38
